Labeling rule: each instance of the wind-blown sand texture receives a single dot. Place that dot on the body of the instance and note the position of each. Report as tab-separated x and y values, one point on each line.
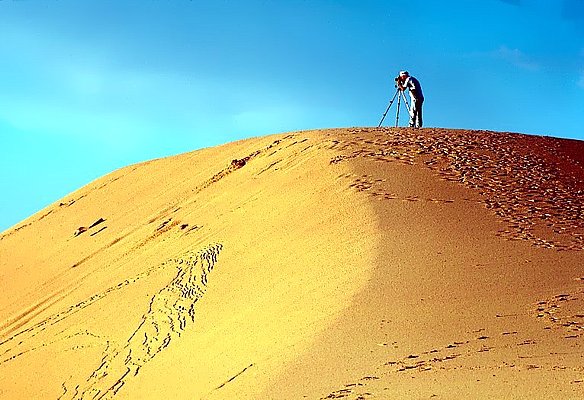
359	263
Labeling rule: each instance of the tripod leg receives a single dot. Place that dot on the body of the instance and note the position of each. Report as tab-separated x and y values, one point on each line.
384	114
387	109
398	107
407	104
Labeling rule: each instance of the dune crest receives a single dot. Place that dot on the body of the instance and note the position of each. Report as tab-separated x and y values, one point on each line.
346	263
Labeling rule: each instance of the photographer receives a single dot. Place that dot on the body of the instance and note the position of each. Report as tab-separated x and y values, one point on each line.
405	81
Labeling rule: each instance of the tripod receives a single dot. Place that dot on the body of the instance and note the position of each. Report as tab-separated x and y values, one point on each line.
399	94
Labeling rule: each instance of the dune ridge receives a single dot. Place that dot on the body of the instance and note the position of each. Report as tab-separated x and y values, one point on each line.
354	263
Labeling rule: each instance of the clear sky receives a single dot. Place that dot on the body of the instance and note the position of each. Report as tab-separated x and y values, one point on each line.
90	86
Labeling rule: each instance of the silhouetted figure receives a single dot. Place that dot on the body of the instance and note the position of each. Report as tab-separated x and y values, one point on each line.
405	81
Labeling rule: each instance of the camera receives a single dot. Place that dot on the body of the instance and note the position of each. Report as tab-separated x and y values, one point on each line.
396	79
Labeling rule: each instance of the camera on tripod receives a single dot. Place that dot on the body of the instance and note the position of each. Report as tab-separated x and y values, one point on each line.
396	79
399	94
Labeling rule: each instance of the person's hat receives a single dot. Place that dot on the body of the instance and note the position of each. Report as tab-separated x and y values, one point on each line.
404	73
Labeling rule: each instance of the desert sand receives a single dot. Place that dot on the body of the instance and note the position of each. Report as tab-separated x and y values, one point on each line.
359	263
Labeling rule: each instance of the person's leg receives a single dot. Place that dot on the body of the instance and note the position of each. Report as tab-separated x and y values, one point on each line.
419	113
413	115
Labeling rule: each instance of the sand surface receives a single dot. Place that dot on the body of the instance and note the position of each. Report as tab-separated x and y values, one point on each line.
347	263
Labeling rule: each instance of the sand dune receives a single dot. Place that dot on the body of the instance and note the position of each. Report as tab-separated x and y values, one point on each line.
347	263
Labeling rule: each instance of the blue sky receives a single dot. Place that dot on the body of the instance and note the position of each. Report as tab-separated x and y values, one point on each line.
90	86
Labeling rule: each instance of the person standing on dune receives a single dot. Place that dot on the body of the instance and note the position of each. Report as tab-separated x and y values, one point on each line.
405	81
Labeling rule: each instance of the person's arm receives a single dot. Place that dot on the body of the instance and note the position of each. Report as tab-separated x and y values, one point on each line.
412	84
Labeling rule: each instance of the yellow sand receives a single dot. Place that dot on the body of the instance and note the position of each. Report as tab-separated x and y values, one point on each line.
349	263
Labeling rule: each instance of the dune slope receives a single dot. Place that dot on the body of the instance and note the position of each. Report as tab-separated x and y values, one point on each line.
346	263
